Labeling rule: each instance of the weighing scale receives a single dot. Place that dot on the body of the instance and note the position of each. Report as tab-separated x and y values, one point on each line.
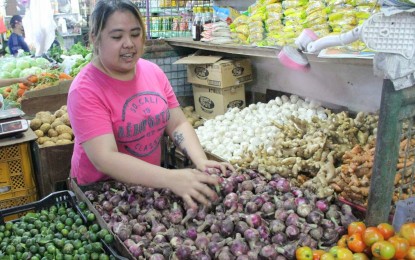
11	123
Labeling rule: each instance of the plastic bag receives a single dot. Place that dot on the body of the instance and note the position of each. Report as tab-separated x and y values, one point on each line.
39	26
405	212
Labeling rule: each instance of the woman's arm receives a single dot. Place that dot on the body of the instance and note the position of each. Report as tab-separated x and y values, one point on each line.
185	138
187	183
8	82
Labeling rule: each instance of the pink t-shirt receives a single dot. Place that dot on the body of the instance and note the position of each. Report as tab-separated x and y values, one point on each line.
135	111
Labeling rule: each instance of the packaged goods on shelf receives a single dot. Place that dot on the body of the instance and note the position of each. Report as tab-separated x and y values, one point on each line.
217	72
212	101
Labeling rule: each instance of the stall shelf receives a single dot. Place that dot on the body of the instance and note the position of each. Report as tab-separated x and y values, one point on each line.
395	106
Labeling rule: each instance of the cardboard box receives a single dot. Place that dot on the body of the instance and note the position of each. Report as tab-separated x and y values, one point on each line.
212	101
217	72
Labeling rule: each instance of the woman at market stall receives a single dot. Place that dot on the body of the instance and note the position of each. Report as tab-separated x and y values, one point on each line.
16	41
119	107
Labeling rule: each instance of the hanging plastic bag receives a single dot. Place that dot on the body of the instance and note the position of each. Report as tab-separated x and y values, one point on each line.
39	26
405	212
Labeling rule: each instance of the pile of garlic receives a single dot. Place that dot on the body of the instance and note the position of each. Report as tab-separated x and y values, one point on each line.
230	135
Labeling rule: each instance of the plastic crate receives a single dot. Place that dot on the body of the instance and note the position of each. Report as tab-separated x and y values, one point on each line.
60	198
17	175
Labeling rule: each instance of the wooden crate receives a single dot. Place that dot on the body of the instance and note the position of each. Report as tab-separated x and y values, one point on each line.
52	167
48	99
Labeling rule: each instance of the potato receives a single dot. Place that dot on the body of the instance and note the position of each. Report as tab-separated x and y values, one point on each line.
66	136
54	139
52	132
65	119
64	129
42	139
39	133
63	108
48	143
191	120
45	127
42	113
56	123
47	118
35	123
63	141
59	113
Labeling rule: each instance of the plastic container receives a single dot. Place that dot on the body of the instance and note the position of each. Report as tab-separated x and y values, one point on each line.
16	174
63	198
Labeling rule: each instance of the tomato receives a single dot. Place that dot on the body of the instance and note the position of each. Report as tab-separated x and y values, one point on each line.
356	227
333	250
317	254
410	253
304	253
344	254
360	256
401	246
355	243
383	250
343	241
408	231
372	235
327	256
386	230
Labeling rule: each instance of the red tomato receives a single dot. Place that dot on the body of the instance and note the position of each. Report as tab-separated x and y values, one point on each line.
383	250
344	254
401	246
356	227
355	243
317	254
304	253
408	231
386	230
372	235
410	253
360	256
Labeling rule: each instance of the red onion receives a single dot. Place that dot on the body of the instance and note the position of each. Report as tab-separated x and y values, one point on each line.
279	239
202	213
263	232
139	229
241	226
251	207
183	252
322	205
136	250
292	232
115	199
227	227
157	227
253	220
315	217
209	220
283	185
276	226
251	235
190	213
176	242
191	233
202	241
304	209
156	256
176	214
268	252
246	186
268	208
238	246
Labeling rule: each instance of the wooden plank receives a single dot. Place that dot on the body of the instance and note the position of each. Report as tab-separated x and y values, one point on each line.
43	103
61	88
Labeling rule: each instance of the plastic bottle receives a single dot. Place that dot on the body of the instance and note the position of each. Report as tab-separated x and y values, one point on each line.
196	25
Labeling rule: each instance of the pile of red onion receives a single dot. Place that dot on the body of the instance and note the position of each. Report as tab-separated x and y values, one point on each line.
254	218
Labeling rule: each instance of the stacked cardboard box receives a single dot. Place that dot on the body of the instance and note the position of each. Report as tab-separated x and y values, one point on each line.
218	84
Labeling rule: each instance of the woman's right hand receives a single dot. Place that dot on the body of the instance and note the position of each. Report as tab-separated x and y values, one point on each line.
192	186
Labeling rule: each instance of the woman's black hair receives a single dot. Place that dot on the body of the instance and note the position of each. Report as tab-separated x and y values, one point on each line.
104	9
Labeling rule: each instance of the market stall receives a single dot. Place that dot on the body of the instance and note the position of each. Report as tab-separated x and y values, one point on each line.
323	159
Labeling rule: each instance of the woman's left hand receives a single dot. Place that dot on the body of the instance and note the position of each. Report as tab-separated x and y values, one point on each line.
214	167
